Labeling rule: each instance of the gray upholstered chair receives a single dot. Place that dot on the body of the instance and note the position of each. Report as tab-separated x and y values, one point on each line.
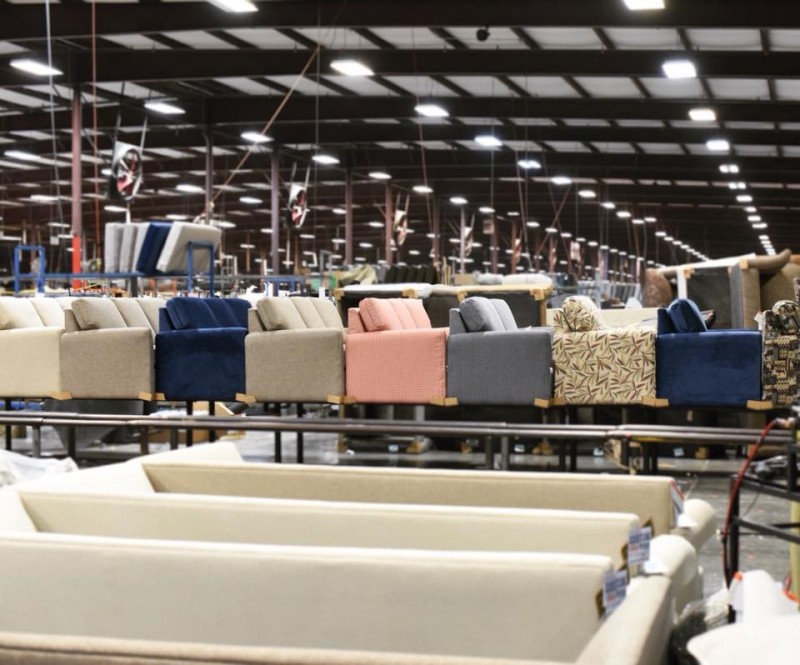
491	361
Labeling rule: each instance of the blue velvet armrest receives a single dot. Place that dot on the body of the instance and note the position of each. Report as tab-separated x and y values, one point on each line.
510	367
201	364
715	368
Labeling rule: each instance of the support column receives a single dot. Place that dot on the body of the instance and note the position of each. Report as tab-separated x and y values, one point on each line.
463	254
276	213
389	225
348	218
514	236
77	193
436	233
209	171
495	243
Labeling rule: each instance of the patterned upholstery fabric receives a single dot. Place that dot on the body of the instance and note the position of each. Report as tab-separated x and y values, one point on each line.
578	314
613	366
781	353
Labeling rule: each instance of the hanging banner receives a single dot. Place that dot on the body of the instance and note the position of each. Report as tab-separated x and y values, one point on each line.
126	172
468	239
516	251
298	206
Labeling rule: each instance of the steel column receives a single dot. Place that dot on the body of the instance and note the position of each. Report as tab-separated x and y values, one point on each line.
77	221
348	218
275	178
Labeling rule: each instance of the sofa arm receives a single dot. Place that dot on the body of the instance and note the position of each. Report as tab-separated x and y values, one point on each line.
613	366
30	363
113	363
295	365
200	364
397	366
512	367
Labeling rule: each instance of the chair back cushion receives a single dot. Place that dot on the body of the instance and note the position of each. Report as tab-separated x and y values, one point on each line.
581	314
328	313
686	316
280	314
51	313
18	313
230	312
132	313
457	326
97	314
191	314
480	315
379	314
152	308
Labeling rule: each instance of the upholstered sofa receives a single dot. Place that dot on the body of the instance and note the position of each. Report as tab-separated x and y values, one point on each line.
491	361
595	364
698	367
526	301
781	353
294	351
107	348
30	346
349	297
393	355
200	351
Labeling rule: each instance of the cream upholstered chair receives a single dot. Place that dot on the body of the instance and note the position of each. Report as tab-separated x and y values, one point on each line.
294	351
393	355
595	364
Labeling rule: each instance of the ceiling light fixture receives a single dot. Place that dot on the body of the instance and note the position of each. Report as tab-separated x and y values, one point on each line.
644	5
679	69
592	243
624	214
380	175
561	180
235	6
113	208
164	108
486	210
43	198
189	189
703	115
339	211
423	189
431	110
250	200
529	164
637	222
750	209
661	234
718	145
760	226
650	220
376	225
35	67
744	198
351	68
458	200
754	218
587	194
488	141
532	225
608	205
256	137
325	159
729	168
24	156
551	229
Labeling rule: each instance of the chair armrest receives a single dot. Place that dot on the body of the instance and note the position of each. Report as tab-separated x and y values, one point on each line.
30	362
295	365
113	363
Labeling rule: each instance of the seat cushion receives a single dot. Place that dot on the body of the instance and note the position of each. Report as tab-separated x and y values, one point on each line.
51	313
582	315
480	315
378	314
280	314
191	314
97	314
18	313
686	316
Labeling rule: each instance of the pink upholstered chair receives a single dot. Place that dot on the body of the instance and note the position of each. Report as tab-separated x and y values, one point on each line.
393	356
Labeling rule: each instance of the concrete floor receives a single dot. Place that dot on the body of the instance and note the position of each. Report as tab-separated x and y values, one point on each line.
702	479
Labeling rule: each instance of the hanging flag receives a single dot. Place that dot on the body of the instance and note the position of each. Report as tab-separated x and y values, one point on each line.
298	206
126	172
516	251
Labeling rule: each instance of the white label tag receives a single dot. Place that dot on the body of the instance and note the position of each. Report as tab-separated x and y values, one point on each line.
677	501
639	546
615	585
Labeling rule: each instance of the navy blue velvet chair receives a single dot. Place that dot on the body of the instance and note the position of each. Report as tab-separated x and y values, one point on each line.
200	349
700	367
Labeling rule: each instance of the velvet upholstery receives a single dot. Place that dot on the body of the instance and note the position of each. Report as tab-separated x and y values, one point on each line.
153	243
230	312
685	316
714	368
191	314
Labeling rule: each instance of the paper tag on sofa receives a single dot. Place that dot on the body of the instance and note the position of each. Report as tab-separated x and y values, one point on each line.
639	546
677	500
615	585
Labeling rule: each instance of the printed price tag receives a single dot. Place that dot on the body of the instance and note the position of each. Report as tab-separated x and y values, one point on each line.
614	586
639	546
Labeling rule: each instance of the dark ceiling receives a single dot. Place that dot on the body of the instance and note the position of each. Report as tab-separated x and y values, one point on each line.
576	85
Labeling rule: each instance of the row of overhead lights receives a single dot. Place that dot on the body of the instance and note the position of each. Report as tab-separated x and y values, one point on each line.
757	223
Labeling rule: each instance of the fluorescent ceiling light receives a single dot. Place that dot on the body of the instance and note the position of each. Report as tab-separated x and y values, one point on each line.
532	225
624	214
604	247
380	175
423	189
763	237
413	252
376	225
266	230
105	172
718	145
431	110
351	68
113	208
613	251
512	213
679	69
458	200
754	218
729	168
34	67
164	108
759	227
58	225
668	238
737	185
703	115
529	164
650	220
43	198
744	198
256	137
177	218
365	245
551	229
561	180
247	245
223	224
235	6
325	160
339	211
592	243
638	222
486	210
338	241
566	235
750	209
644	5
455	241
587	194
189	189
24	156
488	141
307	236
250	200
608	205
676	242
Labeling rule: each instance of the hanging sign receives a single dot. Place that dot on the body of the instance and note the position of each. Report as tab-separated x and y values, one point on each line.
126	172
298	206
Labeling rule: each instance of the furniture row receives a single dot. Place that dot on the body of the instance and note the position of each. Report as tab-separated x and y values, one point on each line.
385	566
296	350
